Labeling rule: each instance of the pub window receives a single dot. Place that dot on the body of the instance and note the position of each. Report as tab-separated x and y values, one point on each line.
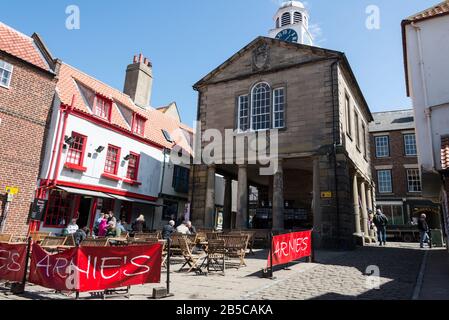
170	210
365	142
139	125
181	179
112	160
58	209
133	166
75	155
102	108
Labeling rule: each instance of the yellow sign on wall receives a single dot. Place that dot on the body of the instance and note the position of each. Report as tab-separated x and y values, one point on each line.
326	194
12	190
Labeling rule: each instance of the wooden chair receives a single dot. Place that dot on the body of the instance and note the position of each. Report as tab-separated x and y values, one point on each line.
70	241
6	238
89	242
18	239
236	246
133	243
53	241
212	236
190	259
215	252
38	236
175	248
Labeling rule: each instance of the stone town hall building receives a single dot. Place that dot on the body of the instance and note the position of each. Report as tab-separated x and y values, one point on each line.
312	97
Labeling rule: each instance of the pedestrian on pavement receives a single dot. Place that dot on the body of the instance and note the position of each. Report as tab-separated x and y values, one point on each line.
381	222
168	230
139	224
423	231
72	227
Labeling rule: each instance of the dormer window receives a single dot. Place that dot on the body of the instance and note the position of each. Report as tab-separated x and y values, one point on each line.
139	125
102	108
297	17
286	19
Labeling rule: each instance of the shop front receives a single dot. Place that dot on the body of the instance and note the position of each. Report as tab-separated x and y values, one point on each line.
66	203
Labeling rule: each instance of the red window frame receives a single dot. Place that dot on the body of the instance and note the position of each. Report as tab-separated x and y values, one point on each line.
132	172
112	160
58	209
139	125
102	108
75	154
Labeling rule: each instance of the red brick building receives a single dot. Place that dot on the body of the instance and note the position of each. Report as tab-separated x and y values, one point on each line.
396	169
27	87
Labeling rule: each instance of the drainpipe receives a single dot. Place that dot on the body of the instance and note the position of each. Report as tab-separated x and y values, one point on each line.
67	110
427	109
335	149
163	172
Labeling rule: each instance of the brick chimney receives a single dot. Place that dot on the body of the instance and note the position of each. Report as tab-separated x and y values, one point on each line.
139	81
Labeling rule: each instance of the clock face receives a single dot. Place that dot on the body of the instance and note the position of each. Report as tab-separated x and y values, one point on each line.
289	35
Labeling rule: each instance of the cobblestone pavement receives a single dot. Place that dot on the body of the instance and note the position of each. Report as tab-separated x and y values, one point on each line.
336	275
346	277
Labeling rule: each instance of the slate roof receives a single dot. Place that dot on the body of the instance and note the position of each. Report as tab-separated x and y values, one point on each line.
392	120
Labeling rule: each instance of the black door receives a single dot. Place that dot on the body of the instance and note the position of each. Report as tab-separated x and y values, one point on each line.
84	210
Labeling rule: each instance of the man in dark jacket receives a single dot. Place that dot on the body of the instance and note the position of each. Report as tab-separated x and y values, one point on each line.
80	235
381	222
423	230
168	229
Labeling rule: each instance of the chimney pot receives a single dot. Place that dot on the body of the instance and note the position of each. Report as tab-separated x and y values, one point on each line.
135	59
145	61
140	58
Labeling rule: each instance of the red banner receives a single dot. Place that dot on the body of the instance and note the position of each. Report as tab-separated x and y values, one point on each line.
96	268
290	247
12	261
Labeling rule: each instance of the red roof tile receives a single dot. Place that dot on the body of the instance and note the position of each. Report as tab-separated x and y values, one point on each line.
67	87
445	153
21	46
437	10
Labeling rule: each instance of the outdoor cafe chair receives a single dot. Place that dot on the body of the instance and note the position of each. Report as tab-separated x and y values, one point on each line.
70	241
89	242
236	246
191	259
38	236
6	238
18	239
53	243
216	255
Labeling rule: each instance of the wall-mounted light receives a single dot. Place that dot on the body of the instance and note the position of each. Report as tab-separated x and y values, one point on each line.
127	157
99	149
69	140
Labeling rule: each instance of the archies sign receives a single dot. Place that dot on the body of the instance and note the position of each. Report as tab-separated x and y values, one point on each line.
12	261
94	269
290	247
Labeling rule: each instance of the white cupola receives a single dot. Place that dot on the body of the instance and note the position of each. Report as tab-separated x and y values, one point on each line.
292	23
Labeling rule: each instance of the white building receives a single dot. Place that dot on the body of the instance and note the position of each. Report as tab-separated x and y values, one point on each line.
292	24
108	151
426	51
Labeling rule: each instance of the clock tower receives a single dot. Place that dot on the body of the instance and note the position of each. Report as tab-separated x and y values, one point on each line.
292	24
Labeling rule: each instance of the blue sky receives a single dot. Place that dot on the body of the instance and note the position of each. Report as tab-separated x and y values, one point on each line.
185	39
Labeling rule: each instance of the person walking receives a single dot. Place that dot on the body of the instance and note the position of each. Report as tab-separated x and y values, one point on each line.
423	227
381	222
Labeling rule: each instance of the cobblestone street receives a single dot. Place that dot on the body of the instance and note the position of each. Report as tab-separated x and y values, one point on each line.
336	275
